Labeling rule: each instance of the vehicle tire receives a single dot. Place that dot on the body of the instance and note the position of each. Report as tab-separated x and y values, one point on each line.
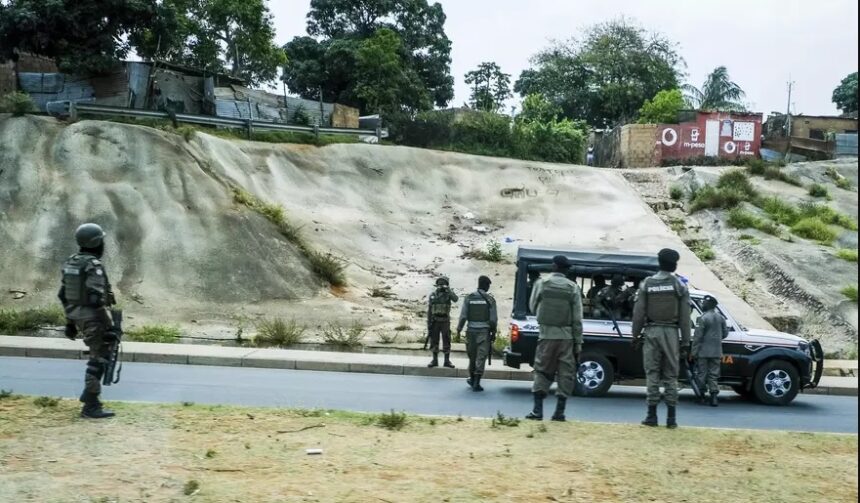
776	383
743	391
594	376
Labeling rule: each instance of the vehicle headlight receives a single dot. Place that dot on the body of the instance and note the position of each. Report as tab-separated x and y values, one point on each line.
805	348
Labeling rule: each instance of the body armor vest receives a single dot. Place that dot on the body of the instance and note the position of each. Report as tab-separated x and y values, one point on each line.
479	308
440	304
554	308
662	296
75	280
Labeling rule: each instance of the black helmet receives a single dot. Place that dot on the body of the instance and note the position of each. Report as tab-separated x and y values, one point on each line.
89	236
441	281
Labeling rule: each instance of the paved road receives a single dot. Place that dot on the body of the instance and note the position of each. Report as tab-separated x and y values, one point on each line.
153	382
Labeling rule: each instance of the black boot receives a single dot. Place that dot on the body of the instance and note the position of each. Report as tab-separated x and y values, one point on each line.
471	379
92	408
670	418
714	401
476	383
434	362
537	411
448	361
651	418
559	408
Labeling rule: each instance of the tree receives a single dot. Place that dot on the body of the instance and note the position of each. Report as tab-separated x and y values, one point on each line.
327	58
490	87
663	109
717	93
216	36
82	36
845	95
383	81
605	77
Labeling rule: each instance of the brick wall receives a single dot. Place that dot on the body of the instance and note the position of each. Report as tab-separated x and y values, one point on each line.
637	147
344	116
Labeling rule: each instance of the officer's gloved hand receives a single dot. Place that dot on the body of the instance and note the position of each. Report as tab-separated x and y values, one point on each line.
71	331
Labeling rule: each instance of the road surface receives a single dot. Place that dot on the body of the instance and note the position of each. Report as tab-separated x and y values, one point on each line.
154	382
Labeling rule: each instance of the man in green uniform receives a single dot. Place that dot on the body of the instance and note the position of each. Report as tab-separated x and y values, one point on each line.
558	304
479	311
662	310
708	338
439	321
611	298
86	295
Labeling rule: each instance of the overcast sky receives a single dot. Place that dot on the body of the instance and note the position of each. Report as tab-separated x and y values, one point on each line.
761	42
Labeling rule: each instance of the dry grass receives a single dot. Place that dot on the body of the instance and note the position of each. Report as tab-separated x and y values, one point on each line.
154	451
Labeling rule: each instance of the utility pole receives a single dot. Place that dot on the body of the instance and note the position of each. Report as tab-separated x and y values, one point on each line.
788	120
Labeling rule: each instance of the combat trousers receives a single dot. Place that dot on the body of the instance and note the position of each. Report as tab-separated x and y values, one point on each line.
660	359
478	348
709	373
554	361
94	337
440	327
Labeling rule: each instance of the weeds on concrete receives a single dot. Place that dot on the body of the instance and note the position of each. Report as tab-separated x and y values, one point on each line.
676	192
402	327
5	393
499	344
388	338
394	421
211	453
847	254
750	239
153	333
838	179
732	188
742	219
344	337
493	253
702	249
779	210
279	333
503	420
191	487
827	215
850	292
13	321
815	229
818	190
46	401
324	265
17	103
382	292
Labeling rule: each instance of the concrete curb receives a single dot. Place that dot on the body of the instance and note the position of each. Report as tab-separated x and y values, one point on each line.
369	363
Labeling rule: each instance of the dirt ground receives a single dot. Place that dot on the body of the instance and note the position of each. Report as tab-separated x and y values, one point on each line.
161	452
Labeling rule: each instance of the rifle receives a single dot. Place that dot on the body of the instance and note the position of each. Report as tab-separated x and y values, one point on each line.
490	352
605	304
114	353
693	376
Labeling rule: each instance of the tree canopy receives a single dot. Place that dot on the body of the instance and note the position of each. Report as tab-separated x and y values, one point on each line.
328	59
490	87
845	95
605	77
663	109
718	92
82	36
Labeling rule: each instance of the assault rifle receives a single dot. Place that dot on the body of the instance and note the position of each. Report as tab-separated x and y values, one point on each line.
113	368
608	307
693	376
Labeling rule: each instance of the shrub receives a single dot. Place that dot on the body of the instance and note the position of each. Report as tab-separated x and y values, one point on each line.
818	190
663	109
393	421
381	292
756	166
344	337
750	238
843	183
153	333
301	117
827	215
737	181
732	188
276	332
702	249
388	338
493	253
328	267
190	487
502	420
14	321
554	141
850	292
774	173
846	254
781	211
46	401
814	228
483	130
742	219
676	192
17	103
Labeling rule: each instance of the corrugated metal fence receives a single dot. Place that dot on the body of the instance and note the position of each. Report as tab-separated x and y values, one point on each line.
846	145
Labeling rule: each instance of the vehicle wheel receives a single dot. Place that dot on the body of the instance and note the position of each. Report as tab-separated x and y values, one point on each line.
776	383
742	390
594	376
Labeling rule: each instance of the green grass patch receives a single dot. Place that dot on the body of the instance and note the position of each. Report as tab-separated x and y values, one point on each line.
844	184
838	179
827	215
394	421
17	103
774	173
13	321
191	487
493	253
815	229
850	292
732	188
742	219
676	192
279	333
153	333
503	420
750	239
818	190
46	401
702	249
780	211
847	254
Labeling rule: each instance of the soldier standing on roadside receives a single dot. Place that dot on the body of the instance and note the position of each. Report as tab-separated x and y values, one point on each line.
558	304
479	311
710	331
86	295
662	310
439	321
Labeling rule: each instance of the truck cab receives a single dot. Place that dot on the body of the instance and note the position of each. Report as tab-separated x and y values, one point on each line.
769	366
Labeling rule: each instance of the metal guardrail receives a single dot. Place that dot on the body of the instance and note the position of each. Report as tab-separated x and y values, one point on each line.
73	109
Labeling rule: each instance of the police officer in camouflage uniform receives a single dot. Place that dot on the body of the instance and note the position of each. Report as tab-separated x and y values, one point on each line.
439	321
661	317
611	298
708	338
86	295
479	311
558	304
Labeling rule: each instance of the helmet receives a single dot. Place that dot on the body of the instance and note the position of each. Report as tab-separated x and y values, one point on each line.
442	281
89	236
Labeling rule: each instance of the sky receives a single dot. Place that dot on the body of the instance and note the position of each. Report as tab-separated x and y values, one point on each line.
763	43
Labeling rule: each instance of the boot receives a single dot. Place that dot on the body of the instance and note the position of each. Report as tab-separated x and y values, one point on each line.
559	409
670	419
448	361
476	383
434	362
714	401
537	411
92	408
651	418
471	379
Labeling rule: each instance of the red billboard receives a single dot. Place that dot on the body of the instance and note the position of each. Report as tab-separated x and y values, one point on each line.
713	134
